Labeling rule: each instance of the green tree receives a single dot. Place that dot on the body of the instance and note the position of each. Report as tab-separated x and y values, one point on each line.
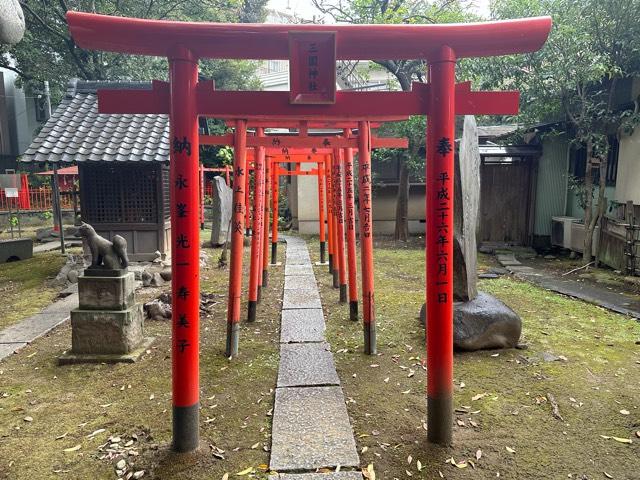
47	51
594	46
405	71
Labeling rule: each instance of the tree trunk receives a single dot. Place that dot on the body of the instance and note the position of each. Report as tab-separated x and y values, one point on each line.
402	205
588	211
591	218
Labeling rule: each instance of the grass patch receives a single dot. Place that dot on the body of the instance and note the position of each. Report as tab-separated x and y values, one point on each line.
236	400
386	394
26	286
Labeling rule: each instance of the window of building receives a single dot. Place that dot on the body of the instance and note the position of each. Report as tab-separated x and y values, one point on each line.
578	159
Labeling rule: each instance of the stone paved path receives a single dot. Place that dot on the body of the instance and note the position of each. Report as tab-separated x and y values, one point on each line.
611	300
17	336
311	428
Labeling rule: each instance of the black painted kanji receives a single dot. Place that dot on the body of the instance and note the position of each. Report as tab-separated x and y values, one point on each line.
444	146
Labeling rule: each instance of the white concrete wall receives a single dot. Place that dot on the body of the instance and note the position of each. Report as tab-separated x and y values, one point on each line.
628	181
384	207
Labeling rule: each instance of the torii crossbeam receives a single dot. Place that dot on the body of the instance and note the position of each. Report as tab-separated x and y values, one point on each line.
312	97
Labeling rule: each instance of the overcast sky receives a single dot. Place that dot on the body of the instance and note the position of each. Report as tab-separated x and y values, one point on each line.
305	8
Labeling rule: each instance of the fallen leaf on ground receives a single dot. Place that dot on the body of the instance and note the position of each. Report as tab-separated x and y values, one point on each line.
622	440
419	465
246	471
93	434
60	437
28	419
479	396
607	475
478	454
255	445
625	412
225	476
369	473
73	449
510	450
409	459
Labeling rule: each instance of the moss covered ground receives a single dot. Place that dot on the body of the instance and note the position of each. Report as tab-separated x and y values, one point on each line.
46	409
503	411
27	286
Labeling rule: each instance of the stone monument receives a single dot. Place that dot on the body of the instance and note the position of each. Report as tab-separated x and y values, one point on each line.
480	321
108	325
222	208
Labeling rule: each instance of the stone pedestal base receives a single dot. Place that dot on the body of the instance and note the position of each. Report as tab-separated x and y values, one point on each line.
108	326
70	358
105	331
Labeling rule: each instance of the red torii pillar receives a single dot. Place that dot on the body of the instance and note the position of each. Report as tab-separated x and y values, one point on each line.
321	200
256	238
275	191
366	238
240	184
339	215
265	225
185	258
329	195
350	217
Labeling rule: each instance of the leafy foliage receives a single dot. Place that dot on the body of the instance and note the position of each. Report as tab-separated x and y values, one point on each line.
48	52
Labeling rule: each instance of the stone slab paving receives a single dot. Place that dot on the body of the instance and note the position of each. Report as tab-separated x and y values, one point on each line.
298	269
16	336
317	476
614	301
311	426
306	365
300	282
299	326
311	430
301	299
31	328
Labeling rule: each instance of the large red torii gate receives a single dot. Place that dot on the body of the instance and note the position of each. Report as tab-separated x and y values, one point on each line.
184	98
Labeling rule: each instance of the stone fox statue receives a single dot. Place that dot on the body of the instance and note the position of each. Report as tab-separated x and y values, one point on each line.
111	255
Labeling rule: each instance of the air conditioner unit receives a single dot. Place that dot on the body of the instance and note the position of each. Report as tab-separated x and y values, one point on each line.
577	238
561	231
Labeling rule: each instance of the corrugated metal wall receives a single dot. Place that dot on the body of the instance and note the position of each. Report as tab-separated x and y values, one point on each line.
551	184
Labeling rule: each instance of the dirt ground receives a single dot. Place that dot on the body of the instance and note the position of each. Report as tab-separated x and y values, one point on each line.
56	422
504	414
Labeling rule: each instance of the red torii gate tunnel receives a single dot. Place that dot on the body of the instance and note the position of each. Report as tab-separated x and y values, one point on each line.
312	51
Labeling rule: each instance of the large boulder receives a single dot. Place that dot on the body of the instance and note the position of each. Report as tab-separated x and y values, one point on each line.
466	207
11	22
483	323
222	207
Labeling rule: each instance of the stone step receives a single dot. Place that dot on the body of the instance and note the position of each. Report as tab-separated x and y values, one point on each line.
306	365
301	299
311	430
306	325
317	476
